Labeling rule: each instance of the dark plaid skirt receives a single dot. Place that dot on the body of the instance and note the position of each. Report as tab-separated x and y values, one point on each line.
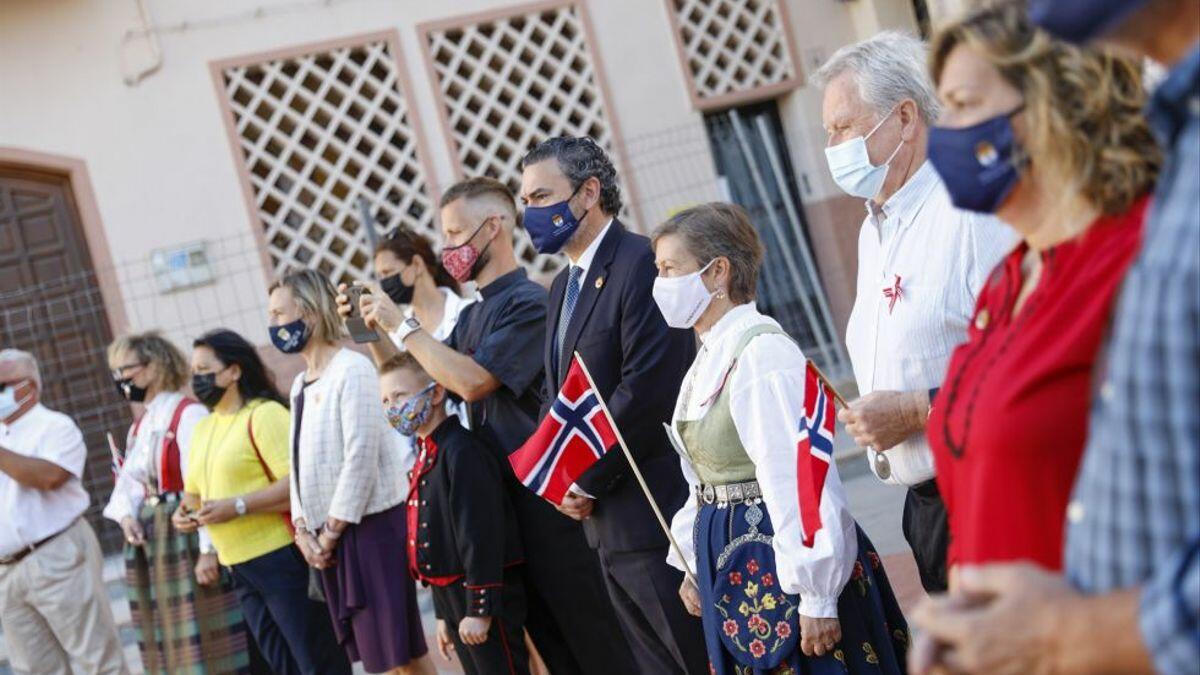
182	628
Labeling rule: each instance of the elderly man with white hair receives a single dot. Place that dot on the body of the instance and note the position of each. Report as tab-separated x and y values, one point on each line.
921	263
53	604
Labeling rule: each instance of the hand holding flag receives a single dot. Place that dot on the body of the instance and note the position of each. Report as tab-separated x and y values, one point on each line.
576	432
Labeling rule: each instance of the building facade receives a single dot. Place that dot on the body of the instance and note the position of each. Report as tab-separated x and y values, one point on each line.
160	161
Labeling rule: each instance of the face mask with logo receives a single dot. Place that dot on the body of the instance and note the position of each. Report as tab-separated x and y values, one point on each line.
129	390
463	261
976	163
850	164
1081	21
204	386
8	400
551	227
400	292
291	337
414	413
682	299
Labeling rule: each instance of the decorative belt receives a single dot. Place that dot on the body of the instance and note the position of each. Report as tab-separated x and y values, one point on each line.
731	493
20	555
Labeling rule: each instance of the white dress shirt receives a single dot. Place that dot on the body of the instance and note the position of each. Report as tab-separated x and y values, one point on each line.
943	256
139	474
766	398
28	515
584	263
453	307
589	254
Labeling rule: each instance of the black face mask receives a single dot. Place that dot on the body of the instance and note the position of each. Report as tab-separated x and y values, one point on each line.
205	388
397	290
130	391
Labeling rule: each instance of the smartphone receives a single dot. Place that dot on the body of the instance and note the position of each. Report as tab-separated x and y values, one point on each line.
357	326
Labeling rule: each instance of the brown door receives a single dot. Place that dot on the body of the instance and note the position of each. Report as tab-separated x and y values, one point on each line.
50	305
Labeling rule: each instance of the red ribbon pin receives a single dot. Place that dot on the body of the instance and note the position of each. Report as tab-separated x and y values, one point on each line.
893	293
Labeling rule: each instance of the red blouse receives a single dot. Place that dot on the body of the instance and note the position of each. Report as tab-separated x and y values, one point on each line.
1009	423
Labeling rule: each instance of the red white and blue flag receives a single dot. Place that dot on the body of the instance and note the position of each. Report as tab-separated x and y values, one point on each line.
814	450
575	434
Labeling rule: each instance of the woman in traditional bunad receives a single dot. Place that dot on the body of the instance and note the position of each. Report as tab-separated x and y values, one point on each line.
785	581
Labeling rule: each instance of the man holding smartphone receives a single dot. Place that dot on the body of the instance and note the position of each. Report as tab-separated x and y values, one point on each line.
493	361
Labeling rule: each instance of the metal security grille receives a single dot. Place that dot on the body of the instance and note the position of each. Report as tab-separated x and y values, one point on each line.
509	83
733	50
317	131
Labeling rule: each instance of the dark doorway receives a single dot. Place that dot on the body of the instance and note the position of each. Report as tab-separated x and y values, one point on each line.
51	306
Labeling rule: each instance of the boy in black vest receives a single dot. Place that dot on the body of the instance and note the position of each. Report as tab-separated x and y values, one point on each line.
462	534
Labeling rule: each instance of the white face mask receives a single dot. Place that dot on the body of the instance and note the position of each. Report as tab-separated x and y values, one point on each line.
850	164
8	401
682	299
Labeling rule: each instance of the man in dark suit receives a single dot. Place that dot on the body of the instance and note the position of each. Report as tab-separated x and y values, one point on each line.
601	306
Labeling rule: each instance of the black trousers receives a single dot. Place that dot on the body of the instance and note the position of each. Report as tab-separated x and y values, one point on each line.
293	633
645	592
504	652
570	618
928	533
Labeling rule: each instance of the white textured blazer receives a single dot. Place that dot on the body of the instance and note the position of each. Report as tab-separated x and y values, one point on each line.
346	459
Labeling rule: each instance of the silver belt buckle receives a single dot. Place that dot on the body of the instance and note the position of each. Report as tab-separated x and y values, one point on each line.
736	494
708	494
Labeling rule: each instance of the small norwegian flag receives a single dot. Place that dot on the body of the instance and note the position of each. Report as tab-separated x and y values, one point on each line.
814	450
575	434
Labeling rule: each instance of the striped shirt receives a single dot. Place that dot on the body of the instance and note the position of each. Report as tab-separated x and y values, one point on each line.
938	257
1135	514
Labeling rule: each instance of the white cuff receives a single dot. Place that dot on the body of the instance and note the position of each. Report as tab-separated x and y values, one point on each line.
576	490
819	607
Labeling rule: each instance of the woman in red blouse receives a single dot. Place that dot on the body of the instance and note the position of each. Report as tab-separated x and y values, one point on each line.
1050	138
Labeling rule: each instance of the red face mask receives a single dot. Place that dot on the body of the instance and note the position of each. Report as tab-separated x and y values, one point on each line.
461	261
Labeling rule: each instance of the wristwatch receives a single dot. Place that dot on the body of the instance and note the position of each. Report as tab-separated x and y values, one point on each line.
239	505
410	326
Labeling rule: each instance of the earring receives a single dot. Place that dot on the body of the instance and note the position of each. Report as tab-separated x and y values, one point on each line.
721	294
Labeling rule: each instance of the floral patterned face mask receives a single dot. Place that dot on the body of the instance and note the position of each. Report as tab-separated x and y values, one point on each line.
414	413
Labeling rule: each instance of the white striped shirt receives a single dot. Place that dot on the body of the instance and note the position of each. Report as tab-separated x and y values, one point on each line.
942	256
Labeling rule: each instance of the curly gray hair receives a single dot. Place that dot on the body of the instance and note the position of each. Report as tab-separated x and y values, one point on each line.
581	158
889	68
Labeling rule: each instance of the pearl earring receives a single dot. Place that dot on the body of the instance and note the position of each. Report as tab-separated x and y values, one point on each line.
721	294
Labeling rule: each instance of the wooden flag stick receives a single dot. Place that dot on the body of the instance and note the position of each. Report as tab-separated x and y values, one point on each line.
687	569
825	380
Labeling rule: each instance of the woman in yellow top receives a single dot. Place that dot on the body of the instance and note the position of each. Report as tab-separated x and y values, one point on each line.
237	487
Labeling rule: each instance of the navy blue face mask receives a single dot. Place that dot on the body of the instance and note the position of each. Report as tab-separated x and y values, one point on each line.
1080	21
550	227
289	338
976	163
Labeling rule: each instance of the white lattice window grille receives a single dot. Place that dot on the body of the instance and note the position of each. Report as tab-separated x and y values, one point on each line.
733	49
510	82
318	130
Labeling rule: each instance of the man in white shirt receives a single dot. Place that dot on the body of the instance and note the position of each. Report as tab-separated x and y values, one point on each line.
53	604
921	264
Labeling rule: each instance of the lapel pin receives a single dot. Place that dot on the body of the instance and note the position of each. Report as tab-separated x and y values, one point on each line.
599	283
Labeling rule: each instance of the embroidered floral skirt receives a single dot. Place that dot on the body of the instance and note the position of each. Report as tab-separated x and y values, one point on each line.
752	627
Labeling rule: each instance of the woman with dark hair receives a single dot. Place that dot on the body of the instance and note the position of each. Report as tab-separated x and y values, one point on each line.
237	487
183	623
415	286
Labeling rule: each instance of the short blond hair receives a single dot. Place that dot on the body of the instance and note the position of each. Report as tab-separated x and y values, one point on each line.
720	230
1084	107
318	302
151	348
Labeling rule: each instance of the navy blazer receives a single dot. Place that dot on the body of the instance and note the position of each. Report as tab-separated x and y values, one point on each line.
638	364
